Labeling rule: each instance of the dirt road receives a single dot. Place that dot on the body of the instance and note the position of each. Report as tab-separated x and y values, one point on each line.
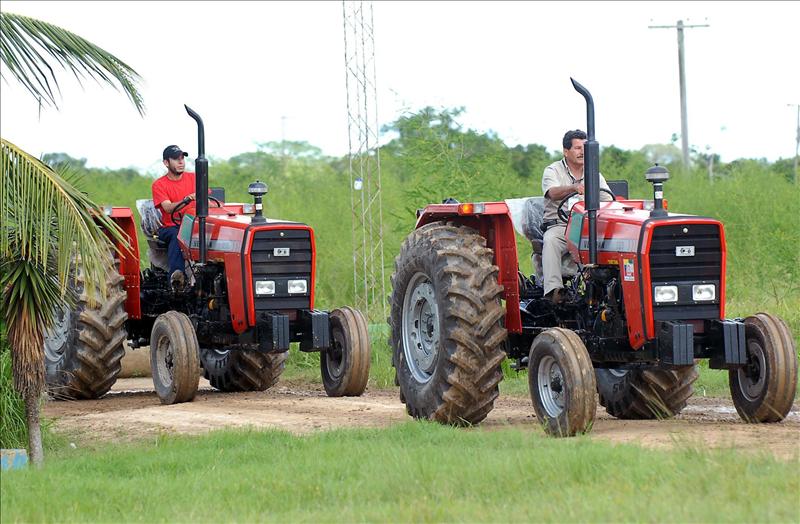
132	411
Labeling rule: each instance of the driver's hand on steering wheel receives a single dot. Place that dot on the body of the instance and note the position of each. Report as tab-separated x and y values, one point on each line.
188	198
579	188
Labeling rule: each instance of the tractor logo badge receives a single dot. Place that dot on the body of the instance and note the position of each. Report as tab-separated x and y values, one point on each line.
280	252
627	269
684	251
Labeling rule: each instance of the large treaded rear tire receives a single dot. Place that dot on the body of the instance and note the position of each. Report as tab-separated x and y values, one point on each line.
84	348
446	323
764	390
242	370
645	394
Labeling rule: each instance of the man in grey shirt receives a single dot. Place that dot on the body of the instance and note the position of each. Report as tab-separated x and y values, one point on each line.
559	180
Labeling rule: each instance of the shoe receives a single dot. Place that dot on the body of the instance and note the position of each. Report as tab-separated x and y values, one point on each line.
177	280
556	296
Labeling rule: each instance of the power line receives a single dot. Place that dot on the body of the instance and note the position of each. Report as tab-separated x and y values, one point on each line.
680	26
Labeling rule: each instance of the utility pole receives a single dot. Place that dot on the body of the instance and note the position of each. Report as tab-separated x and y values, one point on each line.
283	145
680	26
797	140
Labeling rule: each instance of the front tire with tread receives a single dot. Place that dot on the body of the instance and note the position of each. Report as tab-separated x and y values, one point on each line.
345	365
174	358
764	390
562	383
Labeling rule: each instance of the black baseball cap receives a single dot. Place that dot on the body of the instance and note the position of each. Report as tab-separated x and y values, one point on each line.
173	151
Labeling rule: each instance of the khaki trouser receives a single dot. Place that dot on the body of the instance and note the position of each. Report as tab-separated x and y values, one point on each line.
556	260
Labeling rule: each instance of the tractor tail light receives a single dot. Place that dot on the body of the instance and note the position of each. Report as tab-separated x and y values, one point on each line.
470	209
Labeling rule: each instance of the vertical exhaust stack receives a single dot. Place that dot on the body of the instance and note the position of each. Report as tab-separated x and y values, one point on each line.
591	171
201	184
657	175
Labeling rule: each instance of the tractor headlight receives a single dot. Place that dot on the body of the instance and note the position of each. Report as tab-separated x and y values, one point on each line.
298	286
704	292
265	287
248	209
665	294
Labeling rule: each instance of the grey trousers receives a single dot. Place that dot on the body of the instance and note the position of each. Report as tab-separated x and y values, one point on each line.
556	260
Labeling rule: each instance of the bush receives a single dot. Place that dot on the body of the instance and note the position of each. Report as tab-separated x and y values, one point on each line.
13	431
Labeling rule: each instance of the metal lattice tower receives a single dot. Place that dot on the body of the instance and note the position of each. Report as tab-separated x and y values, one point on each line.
369	287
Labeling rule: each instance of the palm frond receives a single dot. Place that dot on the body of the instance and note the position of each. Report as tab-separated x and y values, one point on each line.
46	225
28	45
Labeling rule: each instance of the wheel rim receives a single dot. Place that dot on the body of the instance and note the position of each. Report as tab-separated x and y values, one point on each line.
551	386
165	361
752	377
420	327
55	338
334	355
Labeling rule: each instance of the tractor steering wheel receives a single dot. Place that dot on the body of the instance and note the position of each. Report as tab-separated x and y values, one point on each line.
562	213
177	218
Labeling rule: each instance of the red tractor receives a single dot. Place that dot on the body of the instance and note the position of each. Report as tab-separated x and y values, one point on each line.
250	295
647	301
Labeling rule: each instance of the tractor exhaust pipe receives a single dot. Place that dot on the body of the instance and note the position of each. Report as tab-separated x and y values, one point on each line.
591	171
201	184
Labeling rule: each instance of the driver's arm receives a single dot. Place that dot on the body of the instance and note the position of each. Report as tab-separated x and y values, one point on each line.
169	206
558	193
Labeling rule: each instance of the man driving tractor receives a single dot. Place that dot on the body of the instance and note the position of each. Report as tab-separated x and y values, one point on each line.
169	191
560	180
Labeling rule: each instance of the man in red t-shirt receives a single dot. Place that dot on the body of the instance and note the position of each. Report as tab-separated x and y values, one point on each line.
174	188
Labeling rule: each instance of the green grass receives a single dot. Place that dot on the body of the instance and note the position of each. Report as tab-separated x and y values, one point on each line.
414	471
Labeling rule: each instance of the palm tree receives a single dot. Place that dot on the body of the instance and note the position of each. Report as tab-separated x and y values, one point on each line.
47	223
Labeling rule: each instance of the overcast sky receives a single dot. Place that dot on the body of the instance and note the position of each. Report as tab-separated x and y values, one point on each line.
245	65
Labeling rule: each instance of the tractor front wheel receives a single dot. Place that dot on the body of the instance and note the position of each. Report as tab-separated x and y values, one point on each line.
446	325
345	364
174	358
562	383
763	390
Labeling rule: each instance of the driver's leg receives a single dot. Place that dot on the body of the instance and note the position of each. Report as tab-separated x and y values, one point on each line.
555	245
169	235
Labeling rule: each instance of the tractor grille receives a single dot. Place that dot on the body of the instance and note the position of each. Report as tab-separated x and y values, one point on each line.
703	267
281	255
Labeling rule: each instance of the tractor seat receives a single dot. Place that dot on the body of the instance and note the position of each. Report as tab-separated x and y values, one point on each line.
151	221
526	215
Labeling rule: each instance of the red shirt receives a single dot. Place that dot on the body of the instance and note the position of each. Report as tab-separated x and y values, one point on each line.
173	190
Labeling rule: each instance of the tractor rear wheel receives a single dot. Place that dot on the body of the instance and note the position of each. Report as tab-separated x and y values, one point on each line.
174	359
763	390
242	370
345	364
84	347
562	383
639	394
446	325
